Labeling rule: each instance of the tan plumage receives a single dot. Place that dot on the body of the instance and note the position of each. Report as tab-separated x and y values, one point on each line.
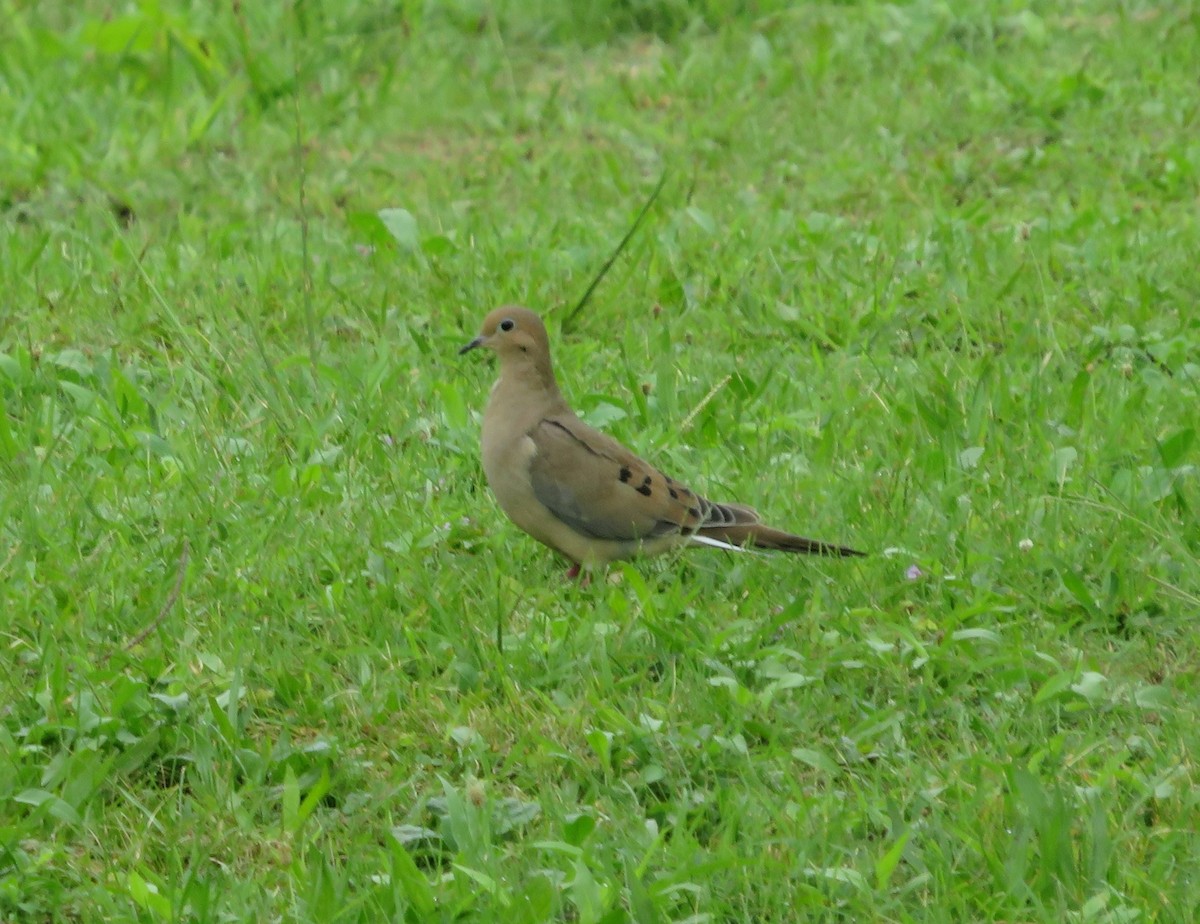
579	491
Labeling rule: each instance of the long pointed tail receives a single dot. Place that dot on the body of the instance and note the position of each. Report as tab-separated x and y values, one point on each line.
759	536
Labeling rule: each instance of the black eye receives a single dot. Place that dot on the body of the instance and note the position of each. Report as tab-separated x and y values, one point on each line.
507	324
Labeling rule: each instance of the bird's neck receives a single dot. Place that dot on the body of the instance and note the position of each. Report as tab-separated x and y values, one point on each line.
528	374
528	384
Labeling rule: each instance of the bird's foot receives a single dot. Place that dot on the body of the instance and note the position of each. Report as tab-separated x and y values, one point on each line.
574	571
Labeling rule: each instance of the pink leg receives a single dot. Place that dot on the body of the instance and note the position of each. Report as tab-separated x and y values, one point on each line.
574	572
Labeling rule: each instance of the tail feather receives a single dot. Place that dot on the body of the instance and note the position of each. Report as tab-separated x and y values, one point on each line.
737	525
716	543
758	536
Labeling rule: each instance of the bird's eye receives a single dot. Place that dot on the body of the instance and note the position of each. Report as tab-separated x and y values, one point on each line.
507	324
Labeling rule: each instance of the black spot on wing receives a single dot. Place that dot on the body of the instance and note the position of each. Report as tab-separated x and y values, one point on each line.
645	488
625	474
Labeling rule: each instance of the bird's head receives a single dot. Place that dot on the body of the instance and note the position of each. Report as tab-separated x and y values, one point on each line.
513	333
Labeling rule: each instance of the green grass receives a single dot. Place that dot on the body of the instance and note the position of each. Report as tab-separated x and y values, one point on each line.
922	279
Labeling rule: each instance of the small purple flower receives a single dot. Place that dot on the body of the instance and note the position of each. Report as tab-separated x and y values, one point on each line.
913	572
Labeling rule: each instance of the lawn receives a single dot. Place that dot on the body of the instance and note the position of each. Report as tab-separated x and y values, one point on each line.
921	278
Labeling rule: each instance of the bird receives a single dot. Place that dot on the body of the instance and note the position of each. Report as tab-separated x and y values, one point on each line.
578	490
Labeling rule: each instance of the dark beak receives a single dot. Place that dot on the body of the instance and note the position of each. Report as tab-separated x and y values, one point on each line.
470	346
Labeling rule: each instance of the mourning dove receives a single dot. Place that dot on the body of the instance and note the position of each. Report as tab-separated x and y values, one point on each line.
581	492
